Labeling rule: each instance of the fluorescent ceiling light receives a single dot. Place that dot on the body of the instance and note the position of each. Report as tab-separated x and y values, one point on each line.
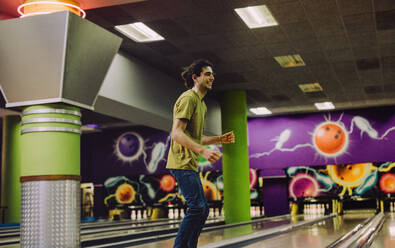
290	60
139	32
324	105
313	87
256	16
90	128
260	111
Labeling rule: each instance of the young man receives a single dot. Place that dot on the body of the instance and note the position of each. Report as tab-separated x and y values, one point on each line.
187	144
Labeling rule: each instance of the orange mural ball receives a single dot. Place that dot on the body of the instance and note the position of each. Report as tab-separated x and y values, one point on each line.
125	193
330	138
209	192
167	183
350	173
387	183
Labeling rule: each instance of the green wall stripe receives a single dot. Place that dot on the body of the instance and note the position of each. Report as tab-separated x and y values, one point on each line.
11	187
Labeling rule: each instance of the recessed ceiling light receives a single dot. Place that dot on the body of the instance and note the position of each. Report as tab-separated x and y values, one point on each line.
313	87
46	6
256	16
290	60
324	105
139	32
90	128
260	111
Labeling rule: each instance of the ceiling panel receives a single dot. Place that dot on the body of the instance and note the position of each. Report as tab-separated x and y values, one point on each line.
348	47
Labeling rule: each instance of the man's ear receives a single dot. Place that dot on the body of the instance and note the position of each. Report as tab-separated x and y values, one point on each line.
194	77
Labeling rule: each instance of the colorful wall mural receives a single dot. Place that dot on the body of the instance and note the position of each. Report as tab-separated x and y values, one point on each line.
335	137
140	190
129	151
345	180
148	190
275	143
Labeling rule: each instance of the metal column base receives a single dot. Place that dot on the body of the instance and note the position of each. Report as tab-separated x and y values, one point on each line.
50	211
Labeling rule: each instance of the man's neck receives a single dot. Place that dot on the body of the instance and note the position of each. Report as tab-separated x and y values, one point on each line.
200	91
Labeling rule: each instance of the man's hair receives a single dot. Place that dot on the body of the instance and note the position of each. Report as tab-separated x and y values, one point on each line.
195	68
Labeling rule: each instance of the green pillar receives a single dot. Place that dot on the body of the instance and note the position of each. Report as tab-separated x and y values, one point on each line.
11	169
47	151
50	176
235	163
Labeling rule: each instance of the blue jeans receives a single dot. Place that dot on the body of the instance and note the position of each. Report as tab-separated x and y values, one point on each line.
193	222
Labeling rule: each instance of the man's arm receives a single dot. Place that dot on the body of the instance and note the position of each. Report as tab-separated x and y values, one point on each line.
178	135
228	137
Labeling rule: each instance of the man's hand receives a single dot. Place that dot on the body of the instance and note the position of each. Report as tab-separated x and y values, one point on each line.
211	155
228	137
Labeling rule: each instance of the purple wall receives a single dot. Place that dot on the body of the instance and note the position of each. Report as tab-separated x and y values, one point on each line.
117	152
341	137
327	138
275	143
128	151
275	196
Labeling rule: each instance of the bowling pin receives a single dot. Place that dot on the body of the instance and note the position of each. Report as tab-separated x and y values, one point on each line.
139	215
144	214
182	213
171	214
133	215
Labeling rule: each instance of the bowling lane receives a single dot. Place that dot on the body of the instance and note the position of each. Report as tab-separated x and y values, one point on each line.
140	229
320	234
115	228
208	237
386	236
107	227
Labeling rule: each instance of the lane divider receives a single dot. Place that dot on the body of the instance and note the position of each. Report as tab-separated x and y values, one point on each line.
257	236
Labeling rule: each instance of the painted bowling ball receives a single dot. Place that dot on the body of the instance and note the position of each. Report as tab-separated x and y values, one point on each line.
210	191
303	186
330	139
350	174
167	183
129	144
253	178
387	183
125	193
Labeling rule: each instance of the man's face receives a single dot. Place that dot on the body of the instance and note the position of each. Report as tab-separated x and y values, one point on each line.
206	78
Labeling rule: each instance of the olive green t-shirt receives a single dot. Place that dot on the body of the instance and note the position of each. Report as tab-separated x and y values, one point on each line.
188	106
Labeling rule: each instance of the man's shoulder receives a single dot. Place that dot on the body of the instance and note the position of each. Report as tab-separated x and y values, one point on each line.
187	95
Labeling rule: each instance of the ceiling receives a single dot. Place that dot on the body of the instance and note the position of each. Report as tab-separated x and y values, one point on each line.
348	47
